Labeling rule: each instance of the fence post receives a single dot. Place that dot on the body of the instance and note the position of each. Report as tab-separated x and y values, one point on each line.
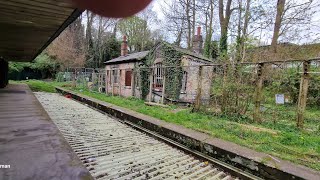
150	85
119	80
133	82
74	83
107	77
303	93
163	85
198	97
93	78
112	81
258	94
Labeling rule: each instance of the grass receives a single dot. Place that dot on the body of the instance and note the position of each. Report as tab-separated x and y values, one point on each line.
38	85
277	135
289	143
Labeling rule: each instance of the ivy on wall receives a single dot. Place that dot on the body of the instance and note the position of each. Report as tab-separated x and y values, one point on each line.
171	58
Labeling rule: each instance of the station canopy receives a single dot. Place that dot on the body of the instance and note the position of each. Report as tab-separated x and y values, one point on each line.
27	27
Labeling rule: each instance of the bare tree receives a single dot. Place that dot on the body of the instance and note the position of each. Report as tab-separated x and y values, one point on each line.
174	13
90	18
187	9
224	16
69	48
277	24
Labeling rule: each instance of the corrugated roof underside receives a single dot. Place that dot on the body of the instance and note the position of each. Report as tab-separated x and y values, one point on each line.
28	25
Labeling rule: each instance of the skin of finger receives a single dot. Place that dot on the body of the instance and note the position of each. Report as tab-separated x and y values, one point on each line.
113	8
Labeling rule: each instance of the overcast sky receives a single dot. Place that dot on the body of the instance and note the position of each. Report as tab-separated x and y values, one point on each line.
156	6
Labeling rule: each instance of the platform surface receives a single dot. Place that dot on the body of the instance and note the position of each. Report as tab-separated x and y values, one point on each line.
31	143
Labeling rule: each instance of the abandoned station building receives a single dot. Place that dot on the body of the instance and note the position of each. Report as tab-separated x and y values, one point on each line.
165	65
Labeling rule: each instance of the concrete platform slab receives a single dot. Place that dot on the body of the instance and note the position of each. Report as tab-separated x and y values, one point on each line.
31	143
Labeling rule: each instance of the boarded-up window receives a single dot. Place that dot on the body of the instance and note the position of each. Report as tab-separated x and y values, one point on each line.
128	78
184	82
115	75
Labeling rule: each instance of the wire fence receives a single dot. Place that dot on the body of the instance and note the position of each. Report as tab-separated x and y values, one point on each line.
84	78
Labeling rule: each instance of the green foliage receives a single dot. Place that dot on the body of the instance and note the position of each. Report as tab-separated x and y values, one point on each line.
17	67
314	91
290	84
43	63
137	31
224	44
234	89
113	48
171	57
145	81
43	86
211	49
59	77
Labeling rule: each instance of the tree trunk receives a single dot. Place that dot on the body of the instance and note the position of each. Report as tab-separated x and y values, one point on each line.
245	29
178	40
189	23
194	18
209	31
224	23
239	36
277	24
90	17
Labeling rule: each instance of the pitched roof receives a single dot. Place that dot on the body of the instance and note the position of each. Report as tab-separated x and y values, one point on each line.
140	55
187	52
128	58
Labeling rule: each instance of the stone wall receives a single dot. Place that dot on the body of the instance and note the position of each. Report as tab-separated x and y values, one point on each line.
193	79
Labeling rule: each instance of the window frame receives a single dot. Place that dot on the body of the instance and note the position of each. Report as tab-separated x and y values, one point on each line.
128	80
158	76
184	82
115	76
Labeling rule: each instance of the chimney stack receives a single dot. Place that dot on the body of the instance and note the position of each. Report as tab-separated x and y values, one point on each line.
124	46
198	31
197	42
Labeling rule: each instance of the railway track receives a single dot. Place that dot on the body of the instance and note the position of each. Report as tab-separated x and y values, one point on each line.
111	149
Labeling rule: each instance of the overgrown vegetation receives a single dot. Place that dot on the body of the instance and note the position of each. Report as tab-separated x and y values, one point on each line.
41	86
290	83
43	66
281	139
171	58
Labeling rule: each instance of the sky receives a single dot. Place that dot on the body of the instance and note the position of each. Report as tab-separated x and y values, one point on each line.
156	6
265	38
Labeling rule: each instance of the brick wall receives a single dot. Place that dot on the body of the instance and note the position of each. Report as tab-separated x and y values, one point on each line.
119	87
